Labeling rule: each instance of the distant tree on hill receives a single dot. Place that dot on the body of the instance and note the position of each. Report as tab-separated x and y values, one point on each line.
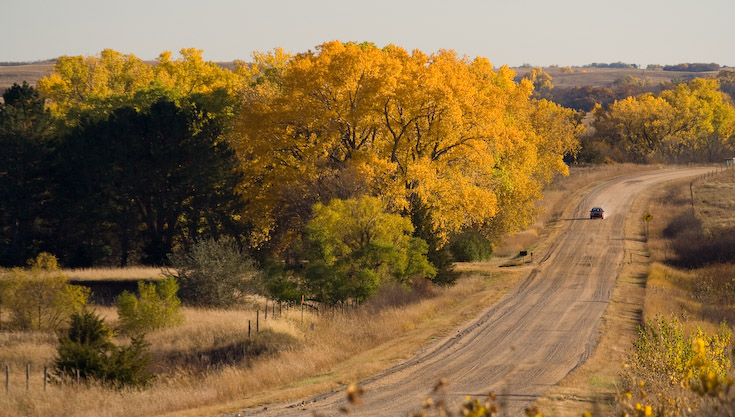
541	81
698	67
727	83
611	65
584	98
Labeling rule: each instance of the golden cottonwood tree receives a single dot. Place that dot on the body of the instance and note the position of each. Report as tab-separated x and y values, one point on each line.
110	80
542	84
693	122
350	119
81	83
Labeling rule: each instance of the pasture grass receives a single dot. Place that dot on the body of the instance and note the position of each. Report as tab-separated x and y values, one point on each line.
114	274
702	295
305	357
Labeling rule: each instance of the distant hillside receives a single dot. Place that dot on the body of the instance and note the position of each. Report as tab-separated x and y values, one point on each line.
17	73
606	77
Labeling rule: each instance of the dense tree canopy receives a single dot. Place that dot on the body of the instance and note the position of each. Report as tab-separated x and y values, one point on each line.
693	122
25	144
122	162
153	176
351	119
96	85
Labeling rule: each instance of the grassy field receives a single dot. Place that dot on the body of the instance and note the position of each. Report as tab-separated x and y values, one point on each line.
208	365
129	273
699	295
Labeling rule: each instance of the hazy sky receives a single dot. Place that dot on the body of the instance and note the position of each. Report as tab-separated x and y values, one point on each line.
510	32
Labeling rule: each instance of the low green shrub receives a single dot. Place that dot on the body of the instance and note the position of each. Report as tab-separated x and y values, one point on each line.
156	306
471	246
86	352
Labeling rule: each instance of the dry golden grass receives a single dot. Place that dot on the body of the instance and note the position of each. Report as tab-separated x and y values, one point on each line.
715	200
128	273
340	347
673	291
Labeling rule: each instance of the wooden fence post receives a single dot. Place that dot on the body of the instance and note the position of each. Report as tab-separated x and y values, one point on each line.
45	377
257	321
7	378
28	376
248	329
302	308
266	310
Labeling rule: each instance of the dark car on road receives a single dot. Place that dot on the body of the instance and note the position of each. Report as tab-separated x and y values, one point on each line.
597	213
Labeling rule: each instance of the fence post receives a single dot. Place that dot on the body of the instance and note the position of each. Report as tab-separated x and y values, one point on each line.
302	308
691	192
248	329
266	310
7	379
45	377
77	375
257	321
28	376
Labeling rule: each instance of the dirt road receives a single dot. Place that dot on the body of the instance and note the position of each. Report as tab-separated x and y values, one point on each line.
529	340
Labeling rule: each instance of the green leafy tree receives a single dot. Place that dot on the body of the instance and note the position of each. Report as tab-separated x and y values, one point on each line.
156	306
281	283
87	348
355	245
25	149
471	246
214	273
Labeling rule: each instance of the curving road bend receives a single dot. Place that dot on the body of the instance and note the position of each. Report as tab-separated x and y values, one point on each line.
532	338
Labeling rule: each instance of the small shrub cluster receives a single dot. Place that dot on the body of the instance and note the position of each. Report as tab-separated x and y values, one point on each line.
156	306
471	246
40	297
671	374
86	352
213	273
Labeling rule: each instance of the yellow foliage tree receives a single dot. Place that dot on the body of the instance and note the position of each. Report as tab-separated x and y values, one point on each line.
81	83
349	119
103	82
693	122
542	84
40	298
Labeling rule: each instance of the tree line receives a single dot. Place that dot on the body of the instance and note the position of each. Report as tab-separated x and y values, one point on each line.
112	161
